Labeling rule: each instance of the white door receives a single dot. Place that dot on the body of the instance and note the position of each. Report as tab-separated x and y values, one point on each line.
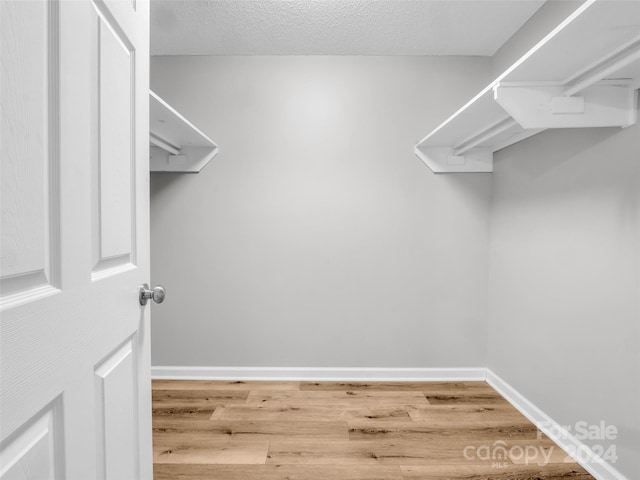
74	341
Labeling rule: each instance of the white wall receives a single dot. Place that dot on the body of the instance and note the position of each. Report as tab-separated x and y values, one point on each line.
564	317
316	237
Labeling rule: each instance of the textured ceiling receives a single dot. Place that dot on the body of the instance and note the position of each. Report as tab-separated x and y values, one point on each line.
335	27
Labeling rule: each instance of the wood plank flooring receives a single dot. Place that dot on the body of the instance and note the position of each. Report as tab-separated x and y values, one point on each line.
205	430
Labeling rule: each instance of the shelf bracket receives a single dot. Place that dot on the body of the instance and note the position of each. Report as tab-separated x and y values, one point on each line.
445	160
545	105
177	145
163	144
484	135
190	159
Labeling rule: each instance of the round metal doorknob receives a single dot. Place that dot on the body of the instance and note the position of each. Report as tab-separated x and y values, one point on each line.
157	294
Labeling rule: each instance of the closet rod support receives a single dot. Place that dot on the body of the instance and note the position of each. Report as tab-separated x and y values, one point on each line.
159	142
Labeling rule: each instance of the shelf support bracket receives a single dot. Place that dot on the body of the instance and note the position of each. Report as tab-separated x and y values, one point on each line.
544	105
163	144
482	136
445	160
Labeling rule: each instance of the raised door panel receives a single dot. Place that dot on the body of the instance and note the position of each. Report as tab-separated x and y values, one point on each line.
29	171
35	451
114	209
115	380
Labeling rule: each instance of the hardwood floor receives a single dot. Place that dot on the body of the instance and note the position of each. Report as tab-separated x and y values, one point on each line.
205	430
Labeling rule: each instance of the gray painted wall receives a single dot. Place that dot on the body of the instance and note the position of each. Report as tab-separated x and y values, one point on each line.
564	303
316	237
564	309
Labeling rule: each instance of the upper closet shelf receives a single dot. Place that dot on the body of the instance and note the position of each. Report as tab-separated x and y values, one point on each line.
176	144
585	73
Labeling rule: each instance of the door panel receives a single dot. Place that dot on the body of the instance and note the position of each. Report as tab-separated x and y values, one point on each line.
34	453
116	413
116	162
29	139
74	341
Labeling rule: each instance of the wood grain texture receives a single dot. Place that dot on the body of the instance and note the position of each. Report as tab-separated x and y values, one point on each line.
465	398
253	430
183	413
191	403
348	397
426	431
485	472
315	413
425	387
27	112
347	431
244	386
197	398
203	448
275	472
372	452
457	413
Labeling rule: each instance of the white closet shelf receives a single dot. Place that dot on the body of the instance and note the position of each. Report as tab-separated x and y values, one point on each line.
176	144
585	73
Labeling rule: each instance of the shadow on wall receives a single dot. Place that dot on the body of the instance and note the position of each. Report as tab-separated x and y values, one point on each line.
560	147
472	186
566	159
163	182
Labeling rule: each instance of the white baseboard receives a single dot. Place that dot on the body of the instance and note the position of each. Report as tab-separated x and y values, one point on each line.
319	373
588	459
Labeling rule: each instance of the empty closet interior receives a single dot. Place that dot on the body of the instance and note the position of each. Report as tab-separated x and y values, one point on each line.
345	215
